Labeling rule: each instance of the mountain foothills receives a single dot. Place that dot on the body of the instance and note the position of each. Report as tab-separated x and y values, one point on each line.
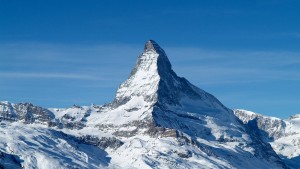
157	120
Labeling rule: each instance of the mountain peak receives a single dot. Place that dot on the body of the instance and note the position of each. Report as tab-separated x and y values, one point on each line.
151	45
153	79
153	53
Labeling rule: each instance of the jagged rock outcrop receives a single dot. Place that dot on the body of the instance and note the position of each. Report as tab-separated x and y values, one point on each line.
283	135
103	142
27	113
270	127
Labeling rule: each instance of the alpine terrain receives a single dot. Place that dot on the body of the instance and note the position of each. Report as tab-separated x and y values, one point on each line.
157	120
283	135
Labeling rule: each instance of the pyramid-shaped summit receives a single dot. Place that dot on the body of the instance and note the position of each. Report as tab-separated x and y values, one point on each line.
156	103
154	94
152	45
153	79
146	75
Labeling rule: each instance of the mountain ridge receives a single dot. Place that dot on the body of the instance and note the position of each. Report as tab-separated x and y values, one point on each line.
282	134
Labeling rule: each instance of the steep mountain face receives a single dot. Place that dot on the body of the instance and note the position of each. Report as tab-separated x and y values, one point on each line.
154	101
157	120
156	96
270	127
154	80
283	135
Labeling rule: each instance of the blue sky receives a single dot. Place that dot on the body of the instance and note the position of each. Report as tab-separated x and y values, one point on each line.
60	53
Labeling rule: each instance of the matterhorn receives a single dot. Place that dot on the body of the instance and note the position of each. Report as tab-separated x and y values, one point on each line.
156	120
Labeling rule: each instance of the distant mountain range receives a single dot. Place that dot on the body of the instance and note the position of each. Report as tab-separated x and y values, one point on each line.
157	120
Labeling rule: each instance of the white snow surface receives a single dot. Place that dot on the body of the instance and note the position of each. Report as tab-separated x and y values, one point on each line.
40	147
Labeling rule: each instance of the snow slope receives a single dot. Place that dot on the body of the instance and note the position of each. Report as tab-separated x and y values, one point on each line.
157	120
38	146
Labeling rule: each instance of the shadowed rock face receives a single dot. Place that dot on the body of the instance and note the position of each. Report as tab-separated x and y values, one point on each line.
269	128
153	72
154	80
30	113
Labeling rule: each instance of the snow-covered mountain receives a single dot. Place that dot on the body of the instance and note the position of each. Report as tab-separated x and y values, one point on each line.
157	120
283	135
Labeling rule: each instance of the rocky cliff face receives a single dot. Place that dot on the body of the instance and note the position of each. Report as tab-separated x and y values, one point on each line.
270	127
283	135
27	113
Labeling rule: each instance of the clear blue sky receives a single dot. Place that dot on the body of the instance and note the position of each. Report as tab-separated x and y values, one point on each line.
59	53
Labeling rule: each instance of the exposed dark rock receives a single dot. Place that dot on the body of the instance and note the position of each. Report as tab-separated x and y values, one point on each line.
269	128
68	121
27	113
186	154
103	142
